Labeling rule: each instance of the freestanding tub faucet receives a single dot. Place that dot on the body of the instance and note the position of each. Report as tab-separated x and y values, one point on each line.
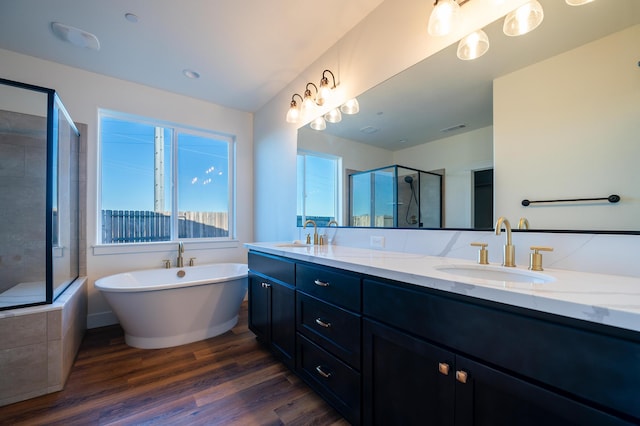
180	260
509	249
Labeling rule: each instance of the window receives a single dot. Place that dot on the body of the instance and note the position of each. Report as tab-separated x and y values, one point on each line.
319	184
163	182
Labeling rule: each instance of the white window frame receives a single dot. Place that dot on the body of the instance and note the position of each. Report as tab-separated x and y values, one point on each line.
338	186
229	241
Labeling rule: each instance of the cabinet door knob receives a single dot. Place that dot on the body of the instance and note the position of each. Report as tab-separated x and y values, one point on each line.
265	285
325	374
321	283
322	323
443	368
461	376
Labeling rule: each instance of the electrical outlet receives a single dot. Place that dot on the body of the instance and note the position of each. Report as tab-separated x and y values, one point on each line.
376	242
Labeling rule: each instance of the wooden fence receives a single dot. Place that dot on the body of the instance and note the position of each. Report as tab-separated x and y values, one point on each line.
134	226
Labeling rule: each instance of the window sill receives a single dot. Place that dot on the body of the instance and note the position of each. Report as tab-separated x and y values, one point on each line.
109	249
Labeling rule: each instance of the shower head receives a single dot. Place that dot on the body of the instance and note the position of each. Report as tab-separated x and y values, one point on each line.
408	179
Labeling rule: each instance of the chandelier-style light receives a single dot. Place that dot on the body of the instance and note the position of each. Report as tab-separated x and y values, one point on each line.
293	115
325	91
350	107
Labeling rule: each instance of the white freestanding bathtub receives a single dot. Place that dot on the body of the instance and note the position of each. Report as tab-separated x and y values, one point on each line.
160	308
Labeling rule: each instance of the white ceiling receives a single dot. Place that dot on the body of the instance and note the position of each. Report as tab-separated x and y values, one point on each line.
246	51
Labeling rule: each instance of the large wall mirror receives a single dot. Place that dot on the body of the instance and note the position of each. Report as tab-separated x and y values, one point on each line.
551	115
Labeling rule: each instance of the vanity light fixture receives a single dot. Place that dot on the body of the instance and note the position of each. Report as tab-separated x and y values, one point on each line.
524	19
318	124
444	17
350	107
293	115
578	2
325	91
333	116
473	46
309	102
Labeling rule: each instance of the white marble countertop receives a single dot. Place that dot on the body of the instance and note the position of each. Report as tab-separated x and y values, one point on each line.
606	299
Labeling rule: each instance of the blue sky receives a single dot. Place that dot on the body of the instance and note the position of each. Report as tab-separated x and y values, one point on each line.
128	168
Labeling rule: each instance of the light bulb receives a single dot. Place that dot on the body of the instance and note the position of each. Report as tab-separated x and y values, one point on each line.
318	124
444	17
293	115
524	19
473	46
333	116
350	107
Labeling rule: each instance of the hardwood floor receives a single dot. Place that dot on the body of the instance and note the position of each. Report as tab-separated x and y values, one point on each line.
225	380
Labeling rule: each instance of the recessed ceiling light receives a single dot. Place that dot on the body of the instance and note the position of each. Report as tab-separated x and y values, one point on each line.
191	73
131	17
75	36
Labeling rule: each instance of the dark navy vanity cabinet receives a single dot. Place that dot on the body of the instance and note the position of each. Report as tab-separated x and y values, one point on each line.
384	352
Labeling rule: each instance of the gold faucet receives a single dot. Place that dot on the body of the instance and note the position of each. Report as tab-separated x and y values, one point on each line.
523	224
332	222
180	260
509	249
315	230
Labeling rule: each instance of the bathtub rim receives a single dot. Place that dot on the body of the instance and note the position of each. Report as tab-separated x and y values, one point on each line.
102	283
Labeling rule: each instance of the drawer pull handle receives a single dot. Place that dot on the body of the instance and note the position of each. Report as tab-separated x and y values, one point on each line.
443	368
323	373
322	323
321	283
266	285
461	376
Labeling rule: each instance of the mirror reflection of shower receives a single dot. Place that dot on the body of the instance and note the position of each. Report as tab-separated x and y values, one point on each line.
395	196
413	220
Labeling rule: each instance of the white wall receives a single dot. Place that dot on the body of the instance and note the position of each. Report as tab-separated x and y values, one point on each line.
459	156
82	94
546	155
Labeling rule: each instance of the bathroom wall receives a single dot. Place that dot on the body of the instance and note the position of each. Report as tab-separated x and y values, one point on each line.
23	165
83	93
529	148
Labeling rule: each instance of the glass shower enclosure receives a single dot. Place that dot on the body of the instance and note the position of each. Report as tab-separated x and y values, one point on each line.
395	197
39	230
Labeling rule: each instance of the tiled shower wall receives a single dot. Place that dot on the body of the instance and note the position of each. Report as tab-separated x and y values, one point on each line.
23	165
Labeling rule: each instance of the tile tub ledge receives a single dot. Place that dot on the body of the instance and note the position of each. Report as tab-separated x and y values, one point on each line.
610	300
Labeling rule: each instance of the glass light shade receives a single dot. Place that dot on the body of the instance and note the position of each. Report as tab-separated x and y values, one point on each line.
293	115
473	46
350	107
524	19
324	93
333	116
578	2
308	104
318	124
444	17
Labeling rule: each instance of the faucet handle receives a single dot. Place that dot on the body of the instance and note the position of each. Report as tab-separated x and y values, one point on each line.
483	254
191	261
167	263
535	258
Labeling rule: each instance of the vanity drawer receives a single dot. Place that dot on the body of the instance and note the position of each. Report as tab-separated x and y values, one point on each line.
272	266
338	287
335	329
334	380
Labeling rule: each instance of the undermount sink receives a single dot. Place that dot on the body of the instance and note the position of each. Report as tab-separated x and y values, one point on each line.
294	244
496	273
